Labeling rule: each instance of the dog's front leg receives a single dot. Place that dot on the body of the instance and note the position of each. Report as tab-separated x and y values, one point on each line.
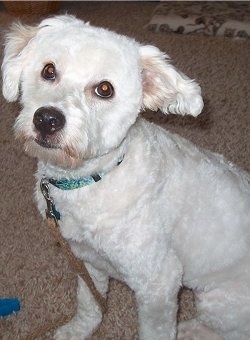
88	314
157	301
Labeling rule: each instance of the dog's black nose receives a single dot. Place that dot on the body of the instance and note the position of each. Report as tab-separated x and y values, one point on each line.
48	120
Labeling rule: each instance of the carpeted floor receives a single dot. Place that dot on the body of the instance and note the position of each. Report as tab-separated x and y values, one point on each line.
31	266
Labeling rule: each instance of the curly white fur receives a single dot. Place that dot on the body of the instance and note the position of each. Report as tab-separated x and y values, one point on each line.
169	214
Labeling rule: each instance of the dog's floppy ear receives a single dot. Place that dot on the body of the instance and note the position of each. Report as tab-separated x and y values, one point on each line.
14	56
165	88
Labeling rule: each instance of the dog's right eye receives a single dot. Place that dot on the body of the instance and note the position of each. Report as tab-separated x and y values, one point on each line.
104	90
49	72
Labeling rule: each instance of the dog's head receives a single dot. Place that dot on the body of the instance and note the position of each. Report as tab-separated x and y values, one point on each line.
82	87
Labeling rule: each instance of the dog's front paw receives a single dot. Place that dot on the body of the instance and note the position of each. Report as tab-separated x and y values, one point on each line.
79	328
193	330
67	332
72	331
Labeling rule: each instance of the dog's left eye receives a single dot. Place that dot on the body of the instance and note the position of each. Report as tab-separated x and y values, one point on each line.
104	89
49	72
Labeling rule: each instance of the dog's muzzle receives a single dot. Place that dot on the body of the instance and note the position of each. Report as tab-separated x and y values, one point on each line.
48	120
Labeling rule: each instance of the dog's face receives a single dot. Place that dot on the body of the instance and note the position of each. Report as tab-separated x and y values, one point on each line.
82	88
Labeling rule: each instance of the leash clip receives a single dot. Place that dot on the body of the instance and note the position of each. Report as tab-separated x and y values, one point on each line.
51	210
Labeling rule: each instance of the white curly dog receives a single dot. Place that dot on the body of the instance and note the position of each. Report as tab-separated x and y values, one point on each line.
137	203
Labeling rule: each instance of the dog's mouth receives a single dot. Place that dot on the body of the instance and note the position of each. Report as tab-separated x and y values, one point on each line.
45	143
53	151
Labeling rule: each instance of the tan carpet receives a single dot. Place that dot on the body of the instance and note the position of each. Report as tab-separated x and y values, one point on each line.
31	266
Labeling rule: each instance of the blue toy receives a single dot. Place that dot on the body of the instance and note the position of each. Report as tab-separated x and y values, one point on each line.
9	306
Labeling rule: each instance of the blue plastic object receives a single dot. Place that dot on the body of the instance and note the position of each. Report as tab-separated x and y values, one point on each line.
9	306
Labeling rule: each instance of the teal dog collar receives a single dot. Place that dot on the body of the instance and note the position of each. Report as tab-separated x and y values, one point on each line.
71	183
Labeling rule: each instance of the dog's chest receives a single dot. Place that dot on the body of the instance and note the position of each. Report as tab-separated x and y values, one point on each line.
103	210
88	211
112	216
